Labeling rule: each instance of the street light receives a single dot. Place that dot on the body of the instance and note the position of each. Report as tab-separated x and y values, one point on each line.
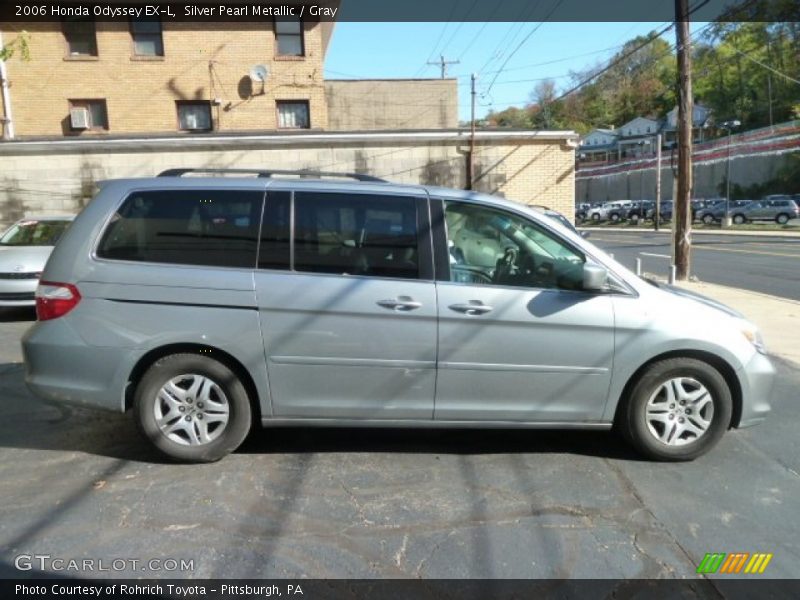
729	126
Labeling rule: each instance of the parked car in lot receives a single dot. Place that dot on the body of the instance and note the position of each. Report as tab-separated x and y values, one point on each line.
581	211
24	249
715	213
205	304
780	211
665	212
610	211
640	209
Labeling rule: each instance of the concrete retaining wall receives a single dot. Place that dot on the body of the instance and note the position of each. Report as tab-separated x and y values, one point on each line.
60	176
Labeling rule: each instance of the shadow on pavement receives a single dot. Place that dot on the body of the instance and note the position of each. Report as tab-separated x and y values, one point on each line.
33	424
15	314
436	441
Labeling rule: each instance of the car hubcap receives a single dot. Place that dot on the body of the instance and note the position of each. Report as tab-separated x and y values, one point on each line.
191	410
680	411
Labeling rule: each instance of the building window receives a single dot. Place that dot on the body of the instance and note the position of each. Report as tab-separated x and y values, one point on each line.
88	114
293	114
289	37
194	116
81	36
147	39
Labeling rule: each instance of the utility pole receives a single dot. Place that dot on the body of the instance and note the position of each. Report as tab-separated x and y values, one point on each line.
656	215
443	64
681	207
471	163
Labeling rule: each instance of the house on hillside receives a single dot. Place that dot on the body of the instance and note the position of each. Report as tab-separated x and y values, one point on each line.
702	124
638	137
599	144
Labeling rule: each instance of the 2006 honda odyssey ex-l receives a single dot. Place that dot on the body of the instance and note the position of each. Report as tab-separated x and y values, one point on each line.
205	304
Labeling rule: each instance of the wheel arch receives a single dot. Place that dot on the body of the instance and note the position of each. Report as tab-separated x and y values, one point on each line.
225	358
720	364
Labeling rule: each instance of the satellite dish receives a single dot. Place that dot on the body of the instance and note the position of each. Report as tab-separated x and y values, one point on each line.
259	73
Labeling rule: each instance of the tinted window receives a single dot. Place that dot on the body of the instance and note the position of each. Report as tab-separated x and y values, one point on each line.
274	251
493	247
356	235
189	227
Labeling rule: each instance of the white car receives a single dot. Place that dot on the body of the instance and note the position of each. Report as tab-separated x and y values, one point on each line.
610	211
24	250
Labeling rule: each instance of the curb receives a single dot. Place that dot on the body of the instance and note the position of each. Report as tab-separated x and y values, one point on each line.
662	231
739	291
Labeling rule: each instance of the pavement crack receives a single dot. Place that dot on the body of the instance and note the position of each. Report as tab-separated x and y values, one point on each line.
357	504
630	488
400	555
421	565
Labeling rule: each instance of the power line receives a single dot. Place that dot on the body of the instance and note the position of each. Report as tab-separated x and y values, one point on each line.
441	35
758	62
522	43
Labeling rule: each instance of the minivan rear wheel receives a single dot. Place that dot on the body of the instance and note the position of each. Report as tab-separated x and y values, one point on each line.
192	408
677	410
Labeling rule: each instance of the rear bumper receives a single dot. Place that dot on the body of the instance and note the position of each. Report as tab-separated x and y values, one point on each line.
757	379
60	367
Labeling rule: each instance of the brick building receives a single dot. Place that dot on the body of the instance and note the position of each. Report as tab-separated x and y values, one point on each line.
357	105
88	77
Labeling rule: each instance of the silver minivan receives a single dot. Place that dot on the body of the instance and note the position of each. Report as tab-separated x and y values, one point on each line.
206	304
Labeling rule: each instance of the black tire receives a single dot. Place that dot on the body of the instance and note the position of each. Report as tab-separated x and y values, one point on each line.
632	421
739	219
708	219
782	219
169	367
614	217
595	217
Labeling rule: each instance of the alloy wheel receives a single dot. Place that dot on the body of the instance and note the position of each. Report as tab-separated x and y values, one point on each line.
679	411
191	410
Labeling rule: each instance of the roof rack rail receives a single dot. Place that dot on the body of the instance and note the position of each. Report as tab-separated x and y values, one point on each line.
268	173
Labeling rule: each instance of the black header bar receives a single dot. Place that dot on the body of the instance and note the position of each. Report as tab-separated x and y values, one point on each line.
20	11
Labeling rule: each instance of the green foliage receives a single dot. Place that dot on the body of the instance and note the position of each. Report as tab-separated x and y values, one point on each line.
18	44
727	77
787	181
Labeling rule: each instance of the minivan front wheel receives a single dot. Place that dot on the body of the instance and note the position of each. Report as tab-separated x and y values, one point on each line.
192	408
677	410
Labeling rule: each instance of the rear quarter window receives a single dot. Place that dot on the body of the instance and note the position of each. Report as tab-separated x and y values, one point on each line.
216	228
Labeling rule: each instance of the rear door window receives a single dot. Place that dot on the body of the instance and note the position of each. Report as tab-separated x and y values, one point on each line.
216	228
356	234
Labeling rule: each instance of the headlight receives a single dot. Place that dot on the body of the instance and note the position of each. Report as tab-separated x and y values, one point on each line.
753	336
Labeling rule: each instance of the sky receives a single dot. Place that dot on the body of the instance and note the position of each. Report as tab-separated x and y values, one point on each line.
388	50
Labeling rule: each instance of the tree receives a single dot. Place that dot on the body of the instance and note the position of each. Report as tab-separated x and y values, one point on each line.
18	44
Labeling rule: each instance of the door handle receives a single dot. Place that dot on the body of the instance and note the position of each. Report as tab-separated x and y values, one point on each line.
400	303
474	307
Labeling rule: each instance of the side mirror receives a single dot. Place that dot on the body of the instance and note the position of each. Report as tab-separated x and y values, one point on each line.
585	234
594	277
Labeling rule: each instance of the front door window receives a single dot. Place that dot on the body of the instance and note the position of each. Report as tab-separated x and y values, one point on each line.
494	247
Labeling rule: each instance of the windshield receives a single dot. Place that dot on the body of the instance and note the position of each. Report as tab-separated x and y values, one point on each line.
34	233
561	219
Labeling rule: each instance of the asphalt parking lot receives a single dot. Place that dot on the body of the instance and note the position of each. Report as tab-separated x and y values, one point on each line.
390	504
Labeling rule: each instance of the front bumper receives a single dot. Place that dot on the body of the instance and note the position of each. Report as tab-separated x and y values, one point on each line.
757	379
17	292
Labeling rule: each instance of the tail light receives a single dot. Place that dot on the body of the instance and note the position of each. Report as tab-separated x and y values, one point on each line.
54	299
